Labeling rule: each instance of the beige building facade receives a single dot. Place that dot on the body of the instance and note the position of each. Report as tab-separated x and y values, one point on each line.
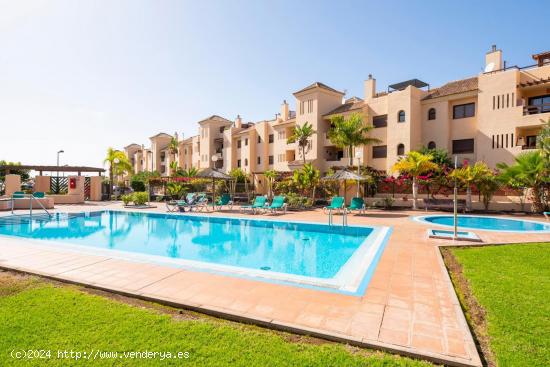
490	117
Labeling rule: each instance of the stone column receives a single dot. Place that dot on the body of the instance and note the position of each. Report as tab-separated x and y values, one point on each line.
12	184
42	183
95	188
79	189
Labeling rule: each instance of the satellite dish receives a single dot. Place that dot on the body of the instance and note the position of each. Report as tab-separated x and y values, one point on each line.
490	67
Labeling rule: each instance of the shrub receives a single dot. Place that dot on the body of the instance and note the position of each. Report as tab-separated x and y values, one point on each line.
126	199
137	183
140	198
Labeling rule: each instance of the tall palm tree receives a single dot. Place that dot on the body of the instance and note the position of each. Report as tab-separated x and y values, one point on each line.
307	179
349	133
415	164
470	175
173	146
529	169
118	164
301	135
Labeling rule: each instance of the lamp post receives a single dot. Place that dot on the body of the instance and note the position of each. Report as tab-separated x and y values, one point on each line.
57	178
359	155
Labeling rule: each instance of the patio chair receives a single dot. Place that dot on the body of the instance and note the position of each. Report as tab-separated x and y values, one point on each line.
357	204
277	204
18	195
225	199
337	203
200	203
182	204
258	204
546	215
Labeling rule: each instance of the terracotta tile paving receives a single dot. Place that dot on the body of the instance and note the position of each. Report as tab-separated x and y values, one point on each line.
409	306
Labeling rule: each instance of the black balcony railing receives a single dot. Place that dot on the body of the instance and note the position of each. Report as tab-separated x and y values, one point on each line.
536	109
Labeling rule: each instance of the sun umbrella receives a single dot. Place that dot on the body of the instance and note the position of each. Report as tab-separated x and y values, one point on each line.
214	175
344	175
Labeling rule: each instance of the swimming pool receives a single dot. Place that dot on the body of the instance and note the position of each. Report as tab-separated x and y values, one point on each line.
487	223
307	254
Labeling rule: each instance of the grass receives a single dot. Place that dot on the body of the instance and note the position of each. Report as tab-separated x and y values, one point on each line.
39	314
511	283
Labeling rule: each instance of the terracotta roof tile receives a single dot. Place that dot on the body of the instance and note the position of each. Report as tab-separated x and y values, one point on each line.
354	104
455	87
318	85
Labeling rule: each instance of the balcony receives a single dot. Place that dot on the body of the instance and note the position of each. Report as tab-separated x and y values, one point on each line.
536	109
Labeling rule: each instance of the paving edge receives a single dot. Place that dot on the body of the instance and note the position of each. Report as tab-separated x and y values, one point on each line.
273	324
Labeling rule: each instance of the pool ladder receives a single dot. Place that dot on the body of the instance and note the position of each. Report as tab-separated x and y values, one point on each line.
31	197
344	218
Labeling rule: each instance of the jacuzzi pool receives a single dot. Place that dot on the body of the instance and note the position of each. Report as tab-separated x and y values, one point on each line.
487	223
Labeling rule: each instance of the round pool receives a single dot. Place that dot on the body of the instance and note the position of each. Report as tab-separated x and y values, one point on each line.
486	223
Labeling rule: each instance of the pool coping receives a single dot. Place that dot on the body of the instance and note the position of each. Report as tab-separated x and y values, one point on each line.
422	219
345	281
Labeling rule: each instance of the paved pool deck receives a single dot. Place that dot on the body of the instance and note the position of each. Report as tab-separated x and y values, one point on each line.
409	306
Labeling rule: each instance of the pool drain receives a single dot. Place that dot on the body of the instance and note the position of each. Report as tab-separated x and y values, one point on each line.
265	268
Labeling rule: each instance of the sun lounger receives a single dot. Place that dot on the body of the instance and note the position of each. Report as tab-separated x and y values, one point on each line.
337	203
258	204
277	204
357	204
224	200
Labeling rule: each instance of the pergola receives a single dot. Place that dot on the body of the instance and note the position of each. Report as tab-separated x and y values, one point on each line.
78	169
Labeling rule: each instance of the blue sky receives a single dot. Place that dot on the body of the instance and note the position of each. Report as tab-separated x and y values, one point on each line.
85	75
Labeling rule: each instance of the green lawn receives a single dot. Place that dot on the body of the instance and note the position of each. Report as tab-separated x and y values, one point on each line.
35	314
512	284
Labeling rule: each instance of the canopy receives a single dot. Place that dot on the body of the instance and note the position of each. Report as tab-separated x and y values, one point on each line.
343	175
214	174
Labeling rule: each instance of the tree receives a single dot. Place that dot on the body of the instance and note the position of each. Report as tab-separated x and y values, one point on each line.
301	136
307	178
190	172
440	156
529	170
118	164
175	189
173	146
469	175
415	164
543	143
270	176
347	133
239	175
487	186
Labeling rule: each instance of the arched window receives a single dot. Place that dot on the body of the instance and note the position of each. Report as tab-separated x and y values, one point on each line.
431	114
401	116
401	149
431	145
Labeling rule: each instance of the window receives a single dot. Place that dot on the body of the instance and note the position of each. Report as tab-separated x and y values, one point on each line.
310	106
301	107
239	163
400	149
539	104
270	160
246	142
271	138
379	151
462	111
259	139
431	145
222	128
431	114
401	116
246	162
259	160
531	141
239	144
185	151
463	146
380	121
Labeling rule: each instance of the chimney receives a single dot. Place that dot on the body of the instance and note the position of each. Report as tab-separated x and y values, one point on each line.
370	87
493	59
238	122
285	114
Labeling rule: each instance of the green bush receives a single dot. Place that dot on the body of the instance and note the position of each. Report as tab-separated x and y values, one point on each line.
140	198
137	183
126	199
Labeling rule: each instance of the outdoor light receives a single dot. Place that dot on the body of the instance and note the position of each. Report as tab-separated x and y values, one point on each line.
215	158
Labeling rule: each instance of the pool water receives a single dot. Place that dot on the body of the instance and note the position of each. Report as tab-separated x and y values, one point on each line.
310	250
488	223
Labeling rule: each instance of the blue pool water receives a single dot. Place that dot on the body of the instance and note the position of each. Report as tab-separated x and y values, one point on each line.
488	223
303	249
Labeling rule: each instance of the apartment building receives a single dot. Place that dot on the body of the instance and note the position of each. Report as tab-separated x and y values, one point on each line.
492	117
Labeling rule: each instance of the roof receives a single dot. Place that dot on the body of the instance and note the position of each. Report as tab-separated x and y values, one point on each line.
318	85
160	134
413	82
216	118
131	145
544	54
51	168
454	87
351	104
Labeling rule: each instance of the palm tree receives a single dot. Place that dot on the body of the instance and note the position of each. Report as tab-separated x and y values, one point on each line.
307	179
470	175
415	164
118	164
270	176
543	142
349	133
301	135
191	172
173	146
529	169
